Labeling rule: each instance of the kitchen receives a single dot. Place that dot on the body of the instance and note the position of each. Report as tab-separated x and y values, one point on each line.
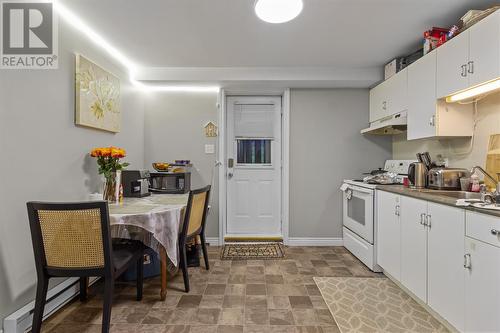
275	118
436	234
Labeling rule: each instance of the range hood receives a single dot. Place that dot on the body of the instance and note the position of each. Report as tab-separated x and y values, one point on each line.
391	125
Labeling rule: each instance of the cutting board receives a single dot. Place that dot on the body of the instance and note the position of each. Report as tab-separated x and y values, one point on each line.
493	159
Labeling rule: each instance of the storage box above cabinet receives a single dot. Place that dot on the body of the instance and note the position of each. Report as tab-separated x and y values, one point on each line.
389	97
471	58
428	117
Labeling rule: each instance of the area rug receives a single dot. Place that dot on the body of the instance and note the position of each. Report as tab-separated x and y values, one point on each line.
374	305
252	250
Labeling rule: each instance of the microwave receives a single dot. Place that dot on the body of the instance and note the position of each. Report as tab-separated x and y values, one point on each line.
170	182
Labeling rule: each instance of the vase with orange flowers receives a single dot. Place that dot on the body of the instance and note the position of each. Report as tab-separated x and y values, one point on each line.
108	161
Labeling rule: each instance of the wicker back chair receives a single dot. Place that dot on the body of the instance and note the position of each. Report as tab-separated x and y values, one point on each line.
74	240
193	228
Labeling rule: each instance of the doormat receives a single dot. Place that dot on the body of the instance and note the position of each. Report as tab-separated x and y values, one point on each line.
253	250
374	305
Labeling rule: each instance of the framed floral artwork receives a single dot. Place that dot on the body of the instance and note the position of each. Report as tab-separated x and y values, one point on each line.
97	97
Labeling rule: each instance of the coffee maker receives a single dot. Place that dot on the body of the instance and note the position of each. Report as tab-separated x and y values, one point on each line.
135	183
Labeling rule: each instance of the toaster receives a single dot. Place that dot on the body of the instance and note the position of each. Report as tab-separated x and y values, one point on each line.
446	178
135	183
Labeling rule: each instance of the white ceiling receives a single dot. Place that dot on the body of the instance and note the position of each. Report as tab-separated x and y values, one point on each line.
334	34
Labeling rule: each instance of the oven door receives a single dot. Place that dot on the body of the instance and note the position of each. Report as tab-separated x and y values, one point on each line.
358	211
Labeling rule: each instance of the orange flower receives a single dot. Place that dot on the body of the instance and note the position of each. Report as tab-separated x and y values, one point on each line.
117	152
108	152
95	152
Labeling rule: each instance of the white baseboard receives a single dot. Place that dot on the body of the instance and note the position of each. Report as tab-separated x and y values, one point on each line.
315	241
21	320
213	241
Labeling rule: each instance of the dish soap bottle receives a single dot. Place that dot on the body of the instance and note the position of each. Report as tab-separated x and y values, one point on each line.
475	186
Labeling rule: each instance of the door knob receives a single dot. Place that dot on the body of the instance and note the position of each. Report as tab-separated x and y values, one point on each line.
230	175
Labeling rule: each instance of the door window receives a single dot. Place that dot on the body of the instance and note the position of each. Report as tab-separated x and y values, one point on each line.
253	151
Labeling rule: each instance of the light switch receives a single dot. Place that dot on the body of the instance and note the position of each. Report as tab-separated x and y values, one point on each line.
209	149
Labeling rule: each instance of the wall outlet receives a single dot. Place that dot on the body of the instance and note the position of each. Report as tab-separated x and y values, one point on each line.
209	149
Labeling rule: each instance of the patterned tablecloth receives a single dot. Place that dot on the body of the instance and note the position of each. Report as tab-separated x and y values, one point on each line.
154	220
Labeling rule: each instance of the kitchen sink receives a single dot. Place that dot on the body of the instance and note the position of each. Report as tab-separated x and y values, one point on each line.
456	194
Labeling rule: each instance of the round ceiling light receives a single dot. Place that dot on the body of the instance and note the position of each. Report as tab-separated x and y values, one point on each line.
278	11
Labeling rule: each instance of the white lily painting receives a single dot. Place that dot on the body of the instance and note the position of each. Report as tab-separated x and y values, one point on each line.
97	97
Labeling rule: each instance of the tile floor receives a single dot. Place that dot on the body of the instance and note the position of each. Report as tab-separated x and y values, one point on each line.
234	296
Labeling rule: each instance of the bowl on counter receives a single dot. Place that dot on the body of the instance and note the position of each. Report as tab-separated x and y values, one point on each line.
161	166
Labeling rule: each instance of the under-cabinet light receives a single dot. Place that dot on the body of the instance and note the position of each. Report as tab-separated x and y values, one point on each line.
474	91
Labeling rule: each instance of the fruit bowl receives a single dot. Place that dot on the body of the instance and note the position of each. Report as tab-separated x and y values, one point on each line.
160	166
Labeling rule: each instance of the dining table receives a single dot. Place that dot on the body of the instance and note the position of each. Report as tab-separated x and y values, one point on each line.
156	221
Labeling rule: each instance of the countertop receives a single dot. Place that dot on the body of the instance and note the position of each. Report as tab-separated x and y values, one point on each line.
429	195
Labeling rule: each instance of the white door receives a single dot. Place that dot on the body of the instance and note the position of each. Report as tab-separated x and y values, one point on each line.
484	52
414	246
422	98
253	166
445	262
389	233
482	287
452	59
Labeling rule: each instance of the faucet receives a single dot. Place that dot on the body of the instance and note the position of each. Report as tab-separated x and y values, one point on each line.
496	194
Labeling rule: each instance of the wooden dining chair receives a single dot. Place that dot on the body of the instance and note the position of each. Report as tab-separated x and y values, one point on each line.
74	240
195	218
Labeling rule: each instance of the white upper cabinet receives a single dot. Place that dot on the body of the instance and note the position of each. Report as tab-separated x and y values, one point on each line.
414	246
389	97
398	92
471	58
428	117
422	98
378	102
484	50
452	59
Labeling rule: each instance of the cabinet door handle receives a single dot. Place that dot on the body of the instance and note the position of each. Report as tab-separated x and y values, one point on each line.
467	261
397	212
422	219
428	221
470	66
432	121
384	105
495	232
464	70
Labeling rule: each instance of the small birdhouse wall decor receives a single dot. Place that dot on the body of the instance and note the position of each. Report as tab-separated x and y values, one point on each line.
210	129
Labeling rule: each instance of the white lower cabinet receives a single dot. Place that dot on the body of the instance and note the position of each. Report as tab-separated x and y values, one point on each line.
482	274
414	246
389	233
446	230
421	244
482	287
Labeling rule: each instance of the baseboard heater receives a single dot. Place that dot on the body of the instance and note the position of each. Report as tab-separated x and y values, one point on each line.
21	320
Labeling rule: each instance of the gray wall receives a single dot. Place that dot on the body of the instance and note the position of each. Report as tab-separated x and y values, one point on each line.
174	123
325	148
44	156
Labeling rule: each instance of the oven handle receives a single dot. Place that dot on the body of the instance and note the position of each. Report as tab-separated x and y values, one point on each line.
358	189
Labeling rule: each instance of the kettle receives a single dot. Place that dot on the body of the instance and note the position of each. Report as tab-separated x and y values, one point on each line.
417	174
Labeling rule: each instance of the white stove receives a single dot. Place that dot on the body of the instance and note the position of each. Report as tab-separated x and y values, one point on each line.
359	214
